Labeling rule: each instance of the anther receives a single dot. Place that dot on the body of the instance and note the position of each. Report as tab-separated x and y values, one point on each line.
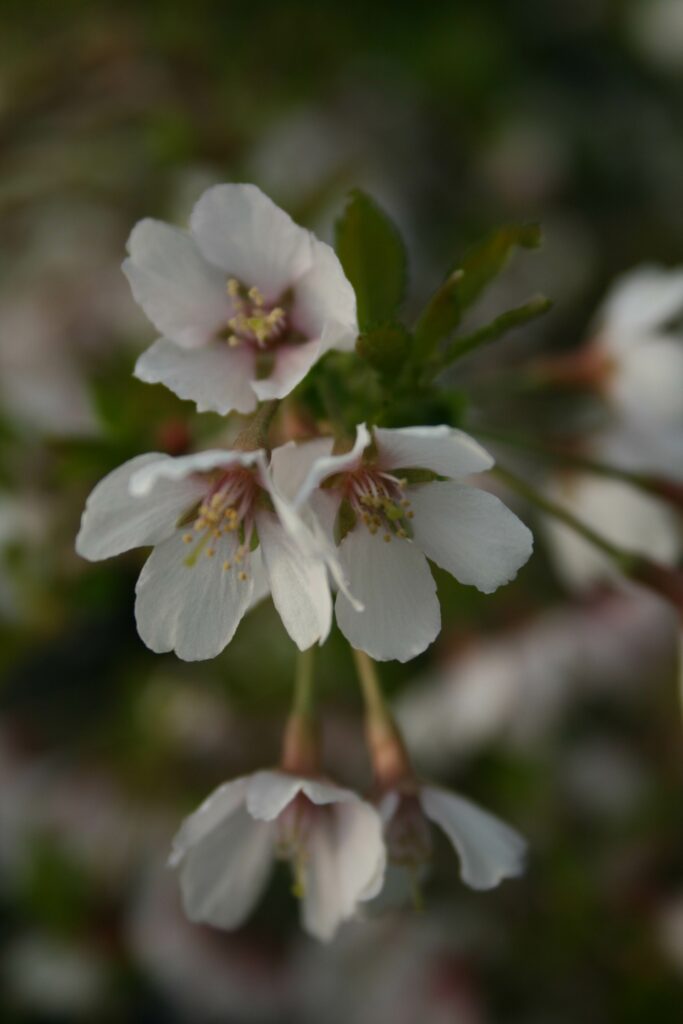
187	538
242	575
227	566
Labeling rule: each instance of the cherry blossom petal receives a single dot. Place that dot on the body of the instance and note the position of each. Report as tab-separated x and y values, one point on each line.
639	304
223	875
183	466
242	231
629	518
345	864
261	588
269	792
192	610
393	582
291	463
292	363
219	804
298	583
113	521
648	380
217	378
489	850
325	302
331	464
183	295
444	450
469	533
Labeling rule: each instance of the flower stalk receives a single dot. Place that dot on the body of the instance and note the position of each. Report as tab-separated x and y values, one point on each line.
390	760
254	434
301	741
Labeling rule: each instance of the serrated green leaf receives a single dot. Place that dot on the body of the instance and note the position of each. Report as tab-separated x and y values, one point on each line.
463	286
373	256
497	328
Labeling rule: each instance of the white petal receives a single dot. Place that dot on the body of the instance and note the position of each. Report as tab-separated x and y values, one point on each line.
648	381
346	860
639	303
220	804
183	466
183	295
291	462
113	521
325	302
192	610
217	378
292	363
394	583
298	583
269	793
241	230
489	850
261	588
328	465
629	518
223	874
469	533
444	450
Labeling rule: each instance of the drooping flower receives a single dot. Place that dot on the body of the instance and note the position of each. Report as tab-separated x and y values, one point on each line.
246	300
489	850
223	537
391	512
332	839
635	521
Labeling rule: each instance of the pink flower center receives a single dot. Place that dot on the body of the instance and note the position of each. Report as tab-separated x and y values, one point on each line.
226	514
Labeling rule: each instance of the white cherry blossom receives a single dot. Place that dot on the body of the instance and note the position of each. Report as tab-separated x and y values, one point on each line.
394	517
332	839
246	301
489	850
223	538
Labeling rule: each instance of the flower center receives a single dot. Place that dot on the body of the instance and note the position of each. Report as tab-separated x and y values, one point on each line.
408	835
379	501
294	826
254	323
225	522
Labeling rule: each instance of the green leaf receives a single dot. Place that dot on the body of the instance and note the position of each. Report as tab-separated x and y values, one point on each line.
374	260
385	348
465	284
502	324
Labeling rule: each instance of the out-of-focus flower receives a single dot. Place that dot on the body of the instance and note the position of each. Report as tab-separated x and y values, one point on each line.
518	686
247	301
635	521
54	976
42	387
656	29
332	839
206	975
643	350
392	512
204	513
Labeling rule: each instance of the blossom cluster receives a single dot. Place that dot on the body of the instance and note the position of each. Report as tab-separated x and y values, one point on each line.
246	303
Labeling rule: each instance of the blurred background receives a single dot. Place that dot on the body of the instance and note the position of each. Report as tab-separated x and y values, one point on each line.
554	705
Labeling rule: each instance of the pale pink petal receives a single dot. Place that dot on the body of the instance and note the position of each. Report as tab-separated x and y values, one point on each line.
469	533
639	303
401	616
183	295
444	450
325	302
489	849
217	378
268	793
292	363
193	610
220	804
291	462
298	583
242	231
329	465
114	521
